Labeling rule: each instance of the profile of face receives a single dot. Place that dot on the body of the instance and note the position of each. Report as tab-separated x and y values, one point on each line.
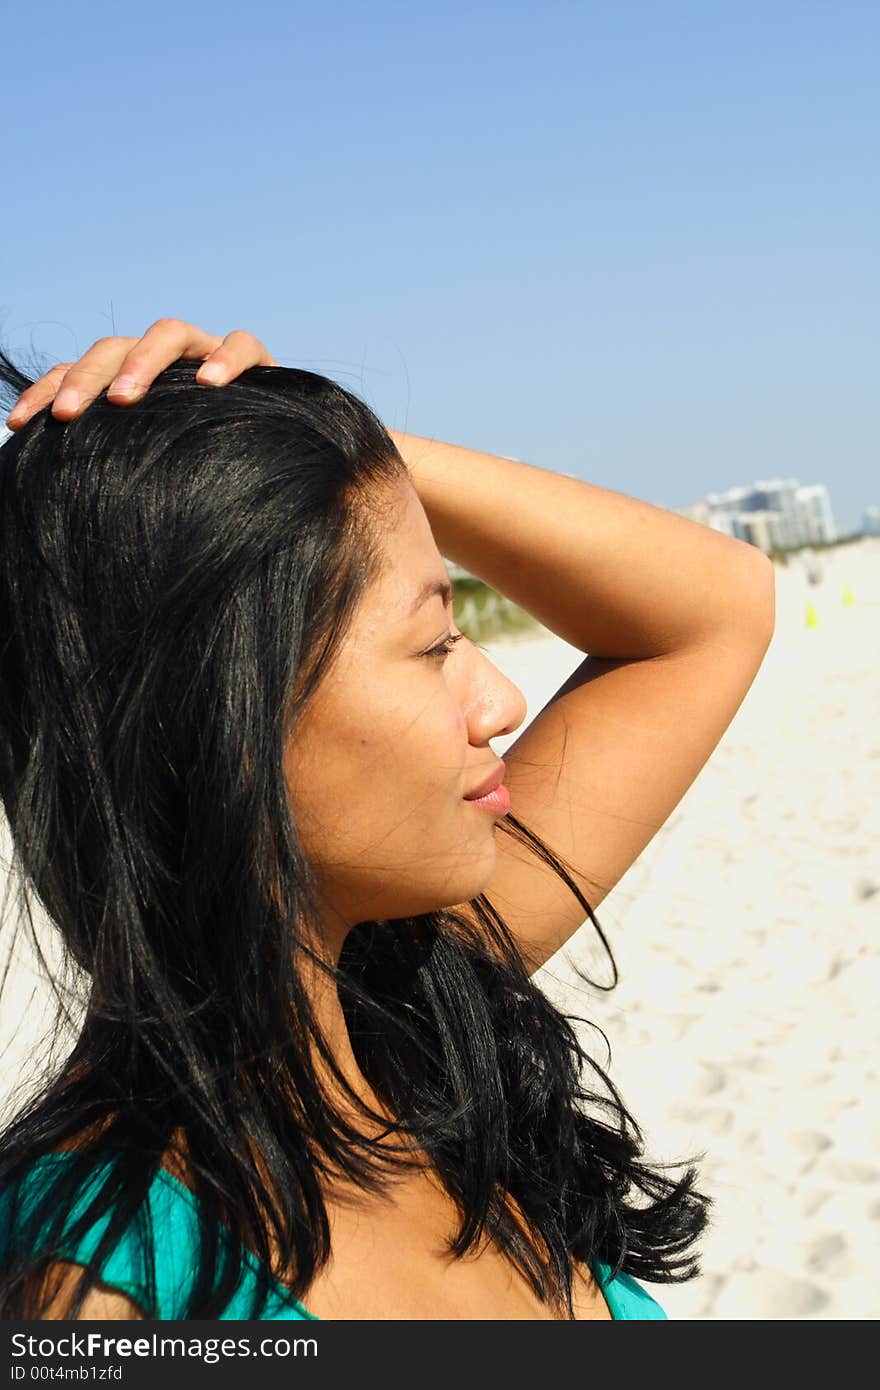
393	740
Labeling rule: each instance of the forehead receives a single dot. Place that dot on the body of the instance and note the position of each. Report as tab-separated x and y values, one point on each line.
413	565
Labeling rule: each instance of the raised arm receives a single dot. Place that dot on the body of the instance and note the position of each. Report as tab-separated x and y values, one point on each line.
676	618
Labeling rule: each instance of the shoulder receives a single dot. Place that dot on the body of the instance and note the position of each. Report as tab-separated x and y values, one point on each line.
54	1296
160	1261
138	1273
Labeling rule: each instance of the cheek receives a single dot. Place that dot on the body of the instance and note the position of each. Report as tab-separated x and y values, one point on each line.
444	750
380	750
414	747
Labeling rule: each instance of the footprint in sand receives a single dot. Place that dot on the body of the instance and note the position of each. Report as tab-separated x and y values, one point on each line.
832	1167
829	1256
769	1293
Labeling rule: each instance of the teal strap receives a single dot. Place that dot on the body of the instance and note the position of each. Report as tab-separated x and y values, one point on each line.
625	1298
174	1214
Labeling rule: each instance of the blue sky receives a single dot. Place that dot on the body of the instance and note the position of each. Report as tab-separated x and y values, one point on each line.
636	242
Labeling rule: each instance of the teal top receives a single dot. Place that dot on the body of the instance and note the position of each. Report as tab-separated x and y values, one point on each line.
174	1212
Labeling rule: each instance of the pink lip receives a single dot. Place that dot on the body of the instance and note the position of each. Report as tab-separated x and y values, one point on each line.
497	801
489	784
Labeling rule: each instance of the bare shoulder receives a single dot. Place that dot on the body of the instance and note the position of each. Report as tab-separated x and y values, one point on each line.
58	1285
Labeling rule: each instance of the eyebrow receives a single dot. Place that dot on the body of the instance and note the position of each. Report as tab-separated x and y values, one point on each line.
428	590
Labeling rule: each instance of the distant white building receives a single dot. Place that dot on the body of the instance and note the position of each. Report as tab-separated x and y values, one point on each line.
871	521
778	513
816	512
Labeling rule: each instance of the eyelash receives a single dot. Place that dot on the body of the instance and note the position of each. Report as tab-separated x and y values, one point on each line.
445	647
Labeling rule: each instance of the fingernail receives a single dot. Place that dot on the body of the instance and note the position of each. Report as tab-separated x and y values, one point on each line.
67	399
17	413
213	373
124	386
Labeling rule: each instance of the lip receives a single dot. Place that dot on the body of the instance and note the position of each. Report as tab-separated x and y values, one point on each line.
488	784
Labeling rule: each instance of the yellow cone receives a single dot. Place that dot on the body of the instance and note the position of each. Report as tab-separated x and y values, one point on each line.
847	596
812	616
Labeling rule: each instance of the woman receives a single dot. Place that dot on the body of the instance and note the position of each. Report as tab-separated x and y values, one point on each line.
241	755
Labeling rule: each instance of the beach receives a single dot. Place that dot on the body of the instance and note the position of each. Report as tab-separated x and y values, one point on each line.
745	1025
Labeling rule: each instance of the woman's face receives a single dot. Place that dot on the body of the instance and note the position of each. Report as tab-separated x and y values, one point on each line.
393	740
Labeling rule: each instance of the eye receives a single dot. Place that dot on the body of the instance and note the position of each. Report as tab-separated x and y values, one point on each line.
445	647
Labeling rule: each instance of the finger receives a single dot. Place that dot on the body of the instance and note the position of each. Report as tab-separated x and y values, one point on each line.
166	341
88	377
36	397
237	352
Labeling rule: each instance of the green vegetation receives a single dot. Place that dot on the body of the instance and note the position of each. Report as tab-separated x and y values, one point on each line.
483	614
779	555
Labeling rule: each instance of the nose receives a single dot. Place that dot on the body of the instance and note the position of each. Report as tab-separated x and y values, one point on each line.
496	705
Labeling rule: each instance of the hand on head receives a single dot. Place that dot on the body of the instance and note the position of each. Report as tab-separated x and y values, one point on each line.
127	367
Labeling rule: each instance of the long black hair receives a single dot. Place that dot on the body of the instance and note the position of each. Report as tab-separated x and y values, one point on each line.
176	577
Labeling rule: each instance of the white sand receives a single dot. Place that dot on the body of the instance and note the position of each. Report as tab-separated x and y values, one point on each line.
747	936
748	940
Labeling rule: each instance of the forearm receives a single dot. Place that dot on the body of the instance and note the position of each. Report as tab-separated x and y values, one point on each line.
613	576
